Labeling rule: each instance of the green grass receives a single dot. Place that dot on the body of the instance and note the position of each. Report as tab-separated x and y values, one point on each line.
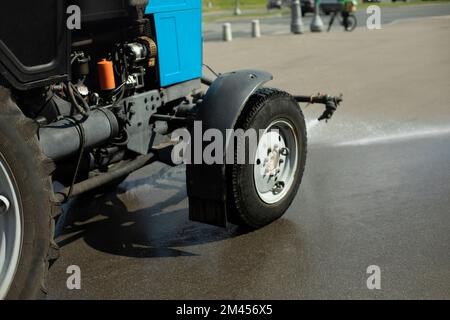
229	4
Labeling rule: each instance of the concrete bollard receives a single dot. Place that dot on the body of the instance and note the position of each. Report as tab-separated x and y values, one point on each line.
237	8
296	17
256	29
316	23
227	33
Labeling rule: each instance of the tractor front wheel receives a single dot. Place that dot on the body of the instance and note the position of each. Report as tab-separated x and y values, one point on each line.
262	191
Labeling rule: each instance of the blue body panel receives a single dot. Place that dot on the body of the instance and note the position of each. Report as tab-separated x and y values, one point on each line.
179	37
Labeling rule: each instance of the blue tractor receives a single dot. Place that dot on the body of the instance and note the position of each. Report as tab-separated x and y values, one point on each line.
91	91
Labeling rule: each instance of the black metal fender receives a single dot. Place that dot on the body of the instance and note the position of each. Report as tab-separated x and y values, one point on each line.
220	109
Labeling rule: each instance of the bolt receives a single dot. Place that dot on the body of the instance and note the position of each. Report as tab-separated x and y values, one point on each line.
4	204
278	187
284	151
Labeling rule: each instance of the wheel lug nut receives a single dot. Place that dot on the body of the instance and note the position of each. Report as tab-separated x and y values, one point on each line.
284	151
278	187
4	204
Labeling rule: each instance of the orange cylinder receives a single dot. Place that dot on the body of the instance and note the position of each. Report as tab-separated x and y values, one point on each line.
106	75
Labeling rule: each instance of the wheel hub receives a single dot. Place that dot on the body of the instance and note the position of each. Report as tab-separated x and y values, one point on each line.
275	164
272	162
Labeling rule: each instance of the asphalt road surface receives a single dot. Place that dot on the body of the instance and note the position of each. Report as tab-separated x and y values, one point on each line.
376	190
281	24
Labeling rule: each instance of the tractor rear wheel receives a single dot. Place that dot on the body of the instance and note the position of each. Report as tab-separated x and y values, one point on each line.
262	191
26	206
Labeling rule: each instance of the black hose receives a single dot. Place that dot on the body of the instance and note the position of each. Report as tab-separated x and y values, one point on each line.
210	69
80	156
72	91
123	85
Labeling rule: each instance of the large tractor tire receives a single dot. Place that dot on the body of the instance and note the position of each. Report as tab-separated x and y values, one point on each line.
261	192
26	206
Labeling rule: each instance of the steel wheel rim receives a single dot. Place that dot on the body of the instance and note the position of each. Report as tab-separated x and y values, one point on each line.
10	228
274	168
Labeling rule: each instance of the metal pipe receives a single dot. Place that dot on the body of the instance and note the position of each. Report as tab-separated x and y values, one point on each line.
320	98
331	103
105	178
62	139
169	118
82	43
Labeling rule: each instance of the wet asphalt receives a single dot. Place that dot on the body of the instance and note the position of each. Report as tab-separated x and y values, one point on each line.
376	191
385	205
